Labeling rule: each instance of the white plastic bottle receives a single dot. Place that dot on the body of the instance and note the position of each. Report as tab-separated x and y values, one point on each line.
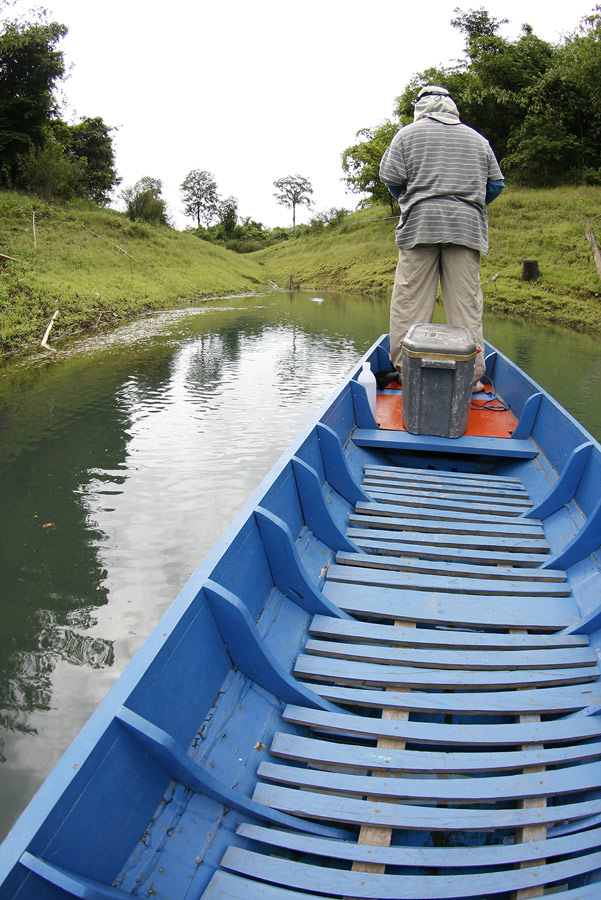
367	378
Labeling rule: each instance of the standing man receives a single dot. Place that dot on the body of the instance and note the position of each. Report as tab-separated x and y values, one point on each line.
443	174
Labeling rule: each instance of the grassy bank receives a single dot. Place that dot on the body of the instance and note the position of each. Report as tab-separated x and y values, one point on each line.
77	268
546	225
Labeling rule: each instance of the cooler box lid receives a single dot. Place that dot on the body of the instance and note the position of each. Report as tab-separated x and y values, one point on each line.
451	341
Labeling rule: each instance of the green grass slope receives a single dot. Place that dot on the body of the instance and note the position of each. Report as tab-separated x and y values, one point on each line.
547	225
77	268
96	267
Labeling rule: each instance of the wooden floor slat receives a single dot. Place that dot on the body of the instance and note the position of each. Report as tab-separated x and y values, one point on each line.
443	475
324	752
544	701
566	730
434	607
438	658
442	552
389	519
450	569
460	790
395	635
412	816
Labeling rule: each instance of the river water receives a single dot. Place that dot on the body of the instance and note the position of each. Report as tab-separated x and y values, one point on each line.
123	458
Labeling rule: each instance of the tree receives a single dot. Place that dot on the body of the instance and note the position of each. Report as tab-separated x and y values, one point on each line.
199	193
90	140
50	173
144	202
30	66
293	191
228	215
361	162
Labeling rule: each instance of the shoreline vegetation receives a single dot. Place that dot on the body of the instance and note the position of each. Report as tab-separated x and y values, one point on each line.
97	268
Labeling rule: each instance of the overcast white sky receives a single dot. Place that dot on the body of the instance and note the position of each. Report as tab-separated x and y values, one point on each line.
253	90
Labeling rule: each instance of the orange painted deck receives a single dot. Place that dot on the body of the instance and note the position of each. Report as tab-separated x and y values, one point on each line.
483	422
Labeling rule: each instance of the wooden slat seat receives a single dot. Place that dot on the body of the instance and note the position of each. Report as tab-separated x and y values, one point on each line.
399	441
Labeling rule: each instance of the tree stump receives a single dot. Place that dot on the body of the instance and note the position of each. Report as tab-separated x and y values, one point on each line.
530	270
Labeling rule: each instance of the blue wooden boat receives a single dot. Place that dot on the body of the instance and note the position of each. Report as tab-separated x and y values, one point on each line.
383	682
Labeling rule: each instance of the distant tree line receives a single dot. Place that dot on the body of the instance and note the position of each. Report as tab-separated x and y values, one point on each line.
539	104
39	152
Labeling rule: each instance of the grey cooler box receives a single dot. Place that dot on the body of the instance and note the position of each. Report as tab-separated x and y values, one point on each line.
438	372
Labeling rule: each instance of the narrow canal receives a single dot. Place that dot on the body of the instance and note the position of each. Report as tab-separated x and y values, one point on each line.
124	458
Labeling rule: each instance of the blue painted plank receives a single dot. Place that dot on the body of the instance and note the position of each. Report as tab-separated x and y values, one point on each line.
584	542
534	546
510	734
500	448
227	886
363	414
410	579
375	517
437	500
70	882
336	466
450	517
477	556
484	501
544	700
174	759
447	476
418	857
287	570
346	671
451	568
436	481
525	424
316	512
442	658
397	635
480	610
325	752
249	651
348	810
566	485
491	789
527	526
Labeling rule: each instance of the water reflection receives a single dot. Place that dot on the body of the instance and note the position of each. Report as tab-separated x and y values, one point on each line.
136	450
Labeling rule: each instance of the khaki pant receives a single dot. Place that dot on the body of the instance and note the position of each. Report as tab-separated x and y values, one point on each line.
414	293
